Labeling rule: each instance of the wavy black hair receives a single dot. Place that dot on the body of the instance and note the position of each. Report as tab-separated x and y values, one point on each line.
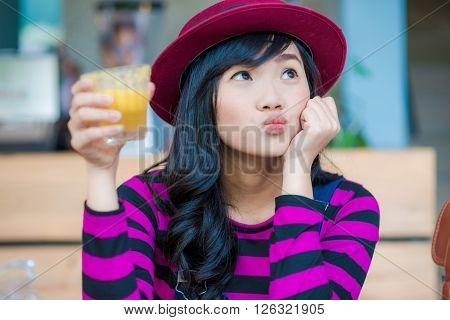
200	237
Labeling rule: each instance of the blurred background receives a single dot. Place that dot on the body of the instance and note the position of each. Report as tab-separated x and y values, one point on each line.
393	107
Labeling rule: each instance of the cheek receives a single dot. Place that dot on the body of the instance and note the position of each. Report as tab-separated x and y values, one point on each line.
232	111
298	115
303	97
231	122
234	125
232	116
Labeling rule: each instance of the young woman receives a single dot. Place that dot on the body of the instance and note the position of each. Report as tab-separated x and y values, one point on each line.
241	208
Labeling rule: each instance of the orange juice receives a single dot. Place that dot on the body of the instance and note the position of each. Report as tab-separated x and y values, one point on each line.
128	85
132	104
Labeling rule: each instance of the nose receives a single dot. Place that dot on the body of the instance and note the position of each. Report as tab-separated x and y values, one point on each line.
271	106
271	99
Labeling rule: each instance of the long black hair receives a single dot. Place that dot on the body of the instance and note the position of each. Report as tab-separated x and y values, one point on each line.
200	237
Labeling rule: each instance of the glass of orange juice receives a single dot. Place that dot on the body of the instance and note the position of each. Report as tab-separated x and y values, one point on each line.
128	85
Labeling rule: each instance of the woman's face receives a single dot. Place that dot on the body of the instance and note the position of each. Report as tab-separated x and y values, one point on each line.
247	98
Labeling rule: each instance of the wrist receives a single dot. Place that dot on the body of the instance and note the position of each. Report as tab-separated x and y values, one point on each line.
94	171
100	177
101	189
298	183
296	166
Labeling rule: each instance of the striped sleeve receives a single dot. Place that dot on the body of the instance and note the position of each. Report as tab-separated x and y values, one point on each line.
118	247
304	265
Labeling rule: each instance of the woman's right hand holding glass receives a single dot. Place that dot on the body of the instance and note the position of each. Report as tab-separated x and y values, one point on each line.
87	111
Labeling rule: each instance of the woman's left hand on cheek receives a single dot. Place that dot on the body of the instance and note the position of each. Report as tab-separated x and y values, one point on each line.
319	124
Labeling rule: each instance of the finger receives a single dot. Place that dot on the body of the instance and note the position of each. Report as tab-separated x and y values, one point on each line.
328	120
321	112
316	110
309	115
89	115
326	107
93	133
82	85
331	107
91	99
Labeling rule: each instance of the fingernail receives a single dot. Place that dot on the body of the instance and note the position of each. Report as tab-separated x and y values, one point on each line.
117	128
86	80
107	99
115	115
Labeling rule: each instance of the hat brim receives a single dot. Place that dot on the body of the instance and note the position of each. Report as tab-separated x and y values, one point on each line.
323	36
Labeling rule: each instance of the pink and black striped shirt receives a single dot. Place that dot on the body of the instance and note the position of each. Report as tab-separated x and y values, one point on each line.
307	250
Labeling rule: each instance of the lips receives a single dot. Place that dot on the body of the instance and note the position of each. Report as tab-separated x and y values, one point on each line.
275	125
275	120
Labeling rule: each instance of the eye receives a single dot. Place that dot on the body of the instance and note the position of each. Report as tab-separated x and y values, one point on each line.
246	73
295	72
240	72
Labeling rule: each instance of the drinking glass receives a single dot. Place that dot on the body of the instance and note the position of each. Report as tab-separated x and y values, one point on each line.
16	277
128	85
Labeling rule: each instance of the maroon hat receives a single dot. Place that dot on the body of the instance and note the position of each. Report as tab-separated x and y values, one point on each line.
230	18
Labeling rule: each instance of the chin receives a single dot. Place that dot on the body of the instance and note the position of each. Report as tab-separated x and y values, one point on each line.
279	152
269	151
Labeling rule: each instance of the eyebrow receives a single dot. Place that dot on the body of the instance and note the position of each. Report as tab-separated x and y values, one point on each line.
281	58
287	56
